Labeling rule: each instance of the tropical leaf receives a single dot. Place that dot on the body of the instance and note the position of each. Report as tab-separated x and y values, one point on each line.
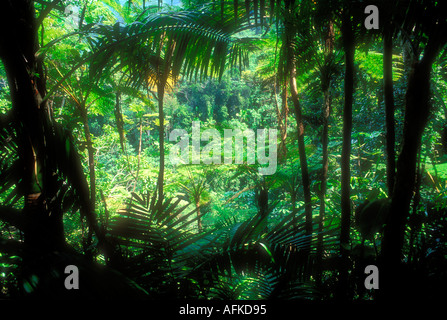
161	45
10	178
162	249
160	244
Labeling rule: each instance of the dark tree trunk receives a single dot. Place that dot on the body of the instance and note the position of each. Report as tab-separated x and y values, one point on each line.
91	155
282	116
302	151
263	205
389	108
263	201
349	49
91	169
18	45
325	86
416	115
291	65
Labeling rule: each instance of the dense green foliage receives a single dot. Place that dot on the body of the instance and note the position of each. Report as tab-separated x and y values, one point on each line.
120	73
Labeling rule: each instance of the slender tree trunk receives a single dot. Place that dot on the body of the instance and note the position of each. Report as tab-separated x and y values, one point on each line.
91	168
199	217
163	75
414	221
293	196
139	153
389	108
349	48
325	84
282	115
263	204
263	200
161	131
119	121
291	64
91	154
302	151
323	184
285	116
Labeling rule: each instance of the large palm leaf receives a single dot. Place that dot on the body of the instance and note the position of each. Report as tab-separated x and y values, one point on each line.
167	257
158	246
194	42
280	248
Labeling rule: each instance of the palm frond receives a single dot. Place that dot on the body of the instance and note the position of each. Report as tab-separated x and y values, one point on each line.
160	243
10	178
269	286
163	250
164	44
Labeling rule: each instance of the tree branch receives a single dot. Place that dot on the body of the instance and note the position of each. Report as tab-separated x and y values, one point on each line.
239	193
47	10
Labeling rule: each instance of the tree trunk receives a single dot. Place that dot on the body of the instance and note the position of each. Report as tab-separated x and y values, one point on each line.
282	116
18	45
389	108
161	131
263	204
199	218
139	154
325	85
91	155
301	149
163	75
41	140
416	115
291	65
349	48
91	168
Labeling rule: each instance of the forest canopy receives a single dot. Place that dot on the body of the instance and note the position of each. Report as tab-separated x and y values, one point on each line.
223	150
